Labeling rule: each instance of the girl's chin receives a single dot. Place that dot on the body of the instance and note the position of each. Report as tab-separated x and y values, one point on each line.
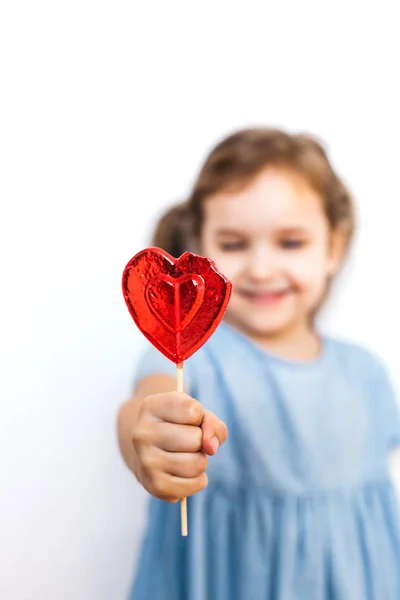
258	327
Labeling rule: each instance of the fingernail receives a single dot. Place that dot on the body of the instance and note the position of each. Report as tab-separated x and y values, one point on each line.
214	443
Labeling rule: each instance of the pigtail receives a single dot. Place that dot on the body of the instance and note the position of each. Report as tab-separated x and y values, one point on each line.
174	230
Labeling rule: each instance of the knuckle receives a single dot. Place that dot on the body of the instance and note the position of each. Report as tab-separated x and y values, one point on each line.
145	405
136	435
204	461
200	463
193	409
148	462
201	483
140	435
149	405
160	486
197	439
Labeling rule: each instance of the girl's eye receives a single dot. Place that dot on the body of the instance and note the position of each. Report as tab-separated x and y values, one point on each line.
292	244
232	246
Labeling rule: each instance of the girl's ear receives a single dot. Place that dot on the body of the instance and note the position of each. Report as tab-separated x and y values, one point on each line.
337	251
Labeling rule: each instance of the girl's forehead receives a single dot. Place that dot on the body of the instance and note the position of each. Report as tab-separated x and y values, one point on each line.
274	198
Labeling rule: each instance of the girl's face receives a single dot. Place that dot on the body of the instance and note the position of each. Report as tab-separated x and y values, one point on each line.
272	241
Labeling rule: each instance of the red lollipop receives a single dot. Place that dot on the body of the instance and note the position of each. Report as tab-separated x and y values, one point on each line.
177	304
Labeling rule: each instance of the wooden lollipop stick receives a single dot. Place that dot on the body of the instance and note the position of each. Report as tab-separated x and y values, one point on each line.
184	523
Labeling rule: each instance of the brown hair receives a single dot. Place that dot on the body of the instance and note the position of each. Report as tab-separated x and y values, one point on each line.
235	161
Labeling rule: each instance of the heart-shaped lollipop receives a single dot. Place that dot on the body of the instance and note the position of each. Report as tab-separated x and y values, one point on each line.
177	304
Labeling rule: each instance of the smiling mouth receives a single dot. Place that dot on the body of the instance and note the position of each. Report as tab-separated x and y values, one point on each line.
264	297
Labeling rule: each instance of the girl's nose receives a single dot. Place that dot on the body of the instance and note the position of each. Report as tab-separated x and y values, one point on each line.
261	265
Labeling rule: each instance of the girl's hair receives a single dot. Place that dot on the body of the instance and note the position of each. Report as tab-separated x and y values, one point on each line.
235	161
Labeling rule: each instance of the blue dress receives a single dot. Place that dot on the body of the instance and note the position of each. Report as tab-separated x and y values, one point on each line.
299	504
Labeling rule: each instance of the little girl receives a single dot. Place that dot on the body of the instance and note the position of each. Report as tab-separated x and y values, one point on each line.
297	503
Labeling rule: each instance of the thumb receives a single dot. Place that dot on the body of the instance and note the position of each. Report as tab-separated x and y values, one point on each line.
214	431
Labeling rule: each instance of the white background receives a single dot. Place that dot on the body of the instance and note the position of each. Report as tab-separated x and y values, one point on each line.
106	111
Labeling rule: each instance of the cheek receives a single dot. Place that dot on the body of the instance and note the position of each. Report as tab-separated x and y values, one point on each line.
230	265
309	269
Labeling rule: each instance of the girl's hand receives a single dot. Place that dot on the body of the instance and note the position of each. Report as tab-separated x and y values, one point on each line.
171	438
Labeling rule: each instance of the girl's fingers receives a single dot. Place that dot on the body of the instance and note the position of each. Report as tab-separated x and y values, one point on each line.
173	407
168	436
184	464
172	488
